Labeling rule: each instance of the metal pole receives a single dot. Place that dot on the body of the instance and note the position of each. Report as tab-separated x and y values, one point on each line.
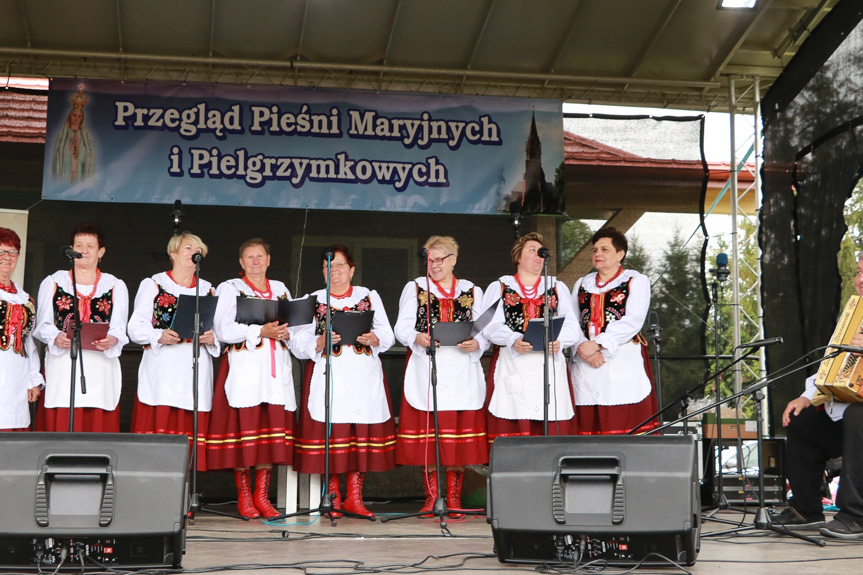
735	258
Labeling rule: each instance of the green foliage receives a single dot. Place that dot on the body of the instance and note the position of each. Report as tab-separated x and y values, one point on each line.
574	235
852	243
678	300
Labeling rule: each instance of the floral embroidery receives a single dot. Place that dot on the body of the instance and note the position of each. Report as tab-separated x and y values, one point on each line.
461	309
165	299
612	303
515	307
104	306
100	308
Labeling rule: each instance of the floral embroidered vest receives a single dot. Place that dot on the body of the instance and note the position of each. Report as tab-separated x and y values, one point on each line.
517	309
460	310
100	308
8	337
612	302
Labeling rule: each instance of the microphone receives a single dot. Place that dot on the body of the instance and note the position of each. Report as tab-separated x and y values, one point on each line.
762	343
177	216
842	347
329	255
422	254
653	327
68	252
197	257
543	253
721	271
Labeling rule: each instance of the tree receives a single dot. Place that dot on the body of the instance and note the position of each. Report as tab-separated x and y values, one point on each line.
678	300
852	243
574	235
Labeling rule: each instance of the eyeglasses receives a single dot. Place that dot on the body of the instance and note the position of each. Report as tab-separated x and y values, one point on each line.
439	261
13	253
336	264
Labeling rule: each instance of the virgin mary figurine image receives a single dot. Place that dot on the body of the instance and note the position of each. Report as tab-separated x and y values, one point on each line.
74	153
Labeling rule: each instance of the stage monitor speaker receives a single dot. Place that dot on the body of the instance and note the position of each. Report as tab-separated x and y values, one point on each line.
620	499
89	499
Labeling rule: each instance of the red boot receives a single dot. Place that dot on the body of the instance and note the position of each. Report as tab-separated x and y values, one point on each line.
244	494
431	494
354	498
262	493
453	492
333	490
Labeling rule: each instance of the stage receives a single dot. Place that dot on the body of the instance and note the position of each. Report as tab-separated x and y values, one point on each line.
313	546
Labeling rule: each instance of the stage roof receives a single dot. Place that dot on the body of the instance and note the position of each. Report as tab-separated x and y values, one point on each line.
662	53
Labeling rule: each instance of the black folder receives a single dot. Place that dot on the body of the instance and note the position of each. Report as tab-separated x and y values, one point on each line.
352	324
184	317
533	334
256	311
452	332
484	319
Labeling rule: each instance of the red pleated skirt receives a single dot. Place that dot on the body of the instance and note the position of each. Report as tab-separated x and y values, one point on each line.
463	437
620	419
90	419
247	436
498	427
353	446
173	421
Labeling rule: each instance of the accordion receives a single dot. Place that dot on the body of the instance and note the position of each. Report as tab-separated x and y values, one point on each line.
841	377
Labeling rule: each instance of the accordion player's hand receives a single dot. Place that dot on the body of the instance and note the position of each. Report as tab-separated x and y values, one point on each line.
794	407
857	340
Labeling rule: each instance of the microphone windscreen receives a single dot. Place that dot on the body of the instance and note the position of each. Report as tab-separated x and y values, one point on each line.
722	260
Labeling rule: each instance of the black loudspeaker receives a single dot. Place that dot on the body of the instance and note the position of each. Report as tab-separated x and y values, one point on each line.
84	499
618	499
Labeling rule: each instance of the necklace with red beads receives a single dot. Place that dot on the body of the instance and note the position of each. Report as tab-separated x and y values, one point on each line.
601	285
265	294
529	293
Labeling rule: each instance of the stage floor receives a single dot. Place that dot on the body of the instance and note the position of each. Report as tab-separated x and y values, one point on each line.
311	545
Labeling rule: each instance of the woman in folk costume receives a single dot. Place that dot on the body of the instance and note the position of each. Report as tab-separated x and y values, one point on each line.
20	378
611	375
362	437
102	298
165	401
252	423
515	378
460	383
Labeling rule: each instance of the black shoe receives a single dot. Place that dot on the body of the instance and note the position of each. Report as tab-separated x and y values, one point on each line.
843	528
791	519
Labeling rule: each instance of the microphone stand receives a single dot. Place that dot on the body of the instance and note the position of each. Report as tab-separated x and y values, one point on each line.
683	399
194	501
75	351
439	509
762	517
720	274
546	328
326	507
654	330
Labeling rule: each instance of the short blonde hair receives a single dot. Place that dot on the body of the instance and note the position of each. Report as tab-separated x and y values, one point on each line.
515	253
444	243
174	243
